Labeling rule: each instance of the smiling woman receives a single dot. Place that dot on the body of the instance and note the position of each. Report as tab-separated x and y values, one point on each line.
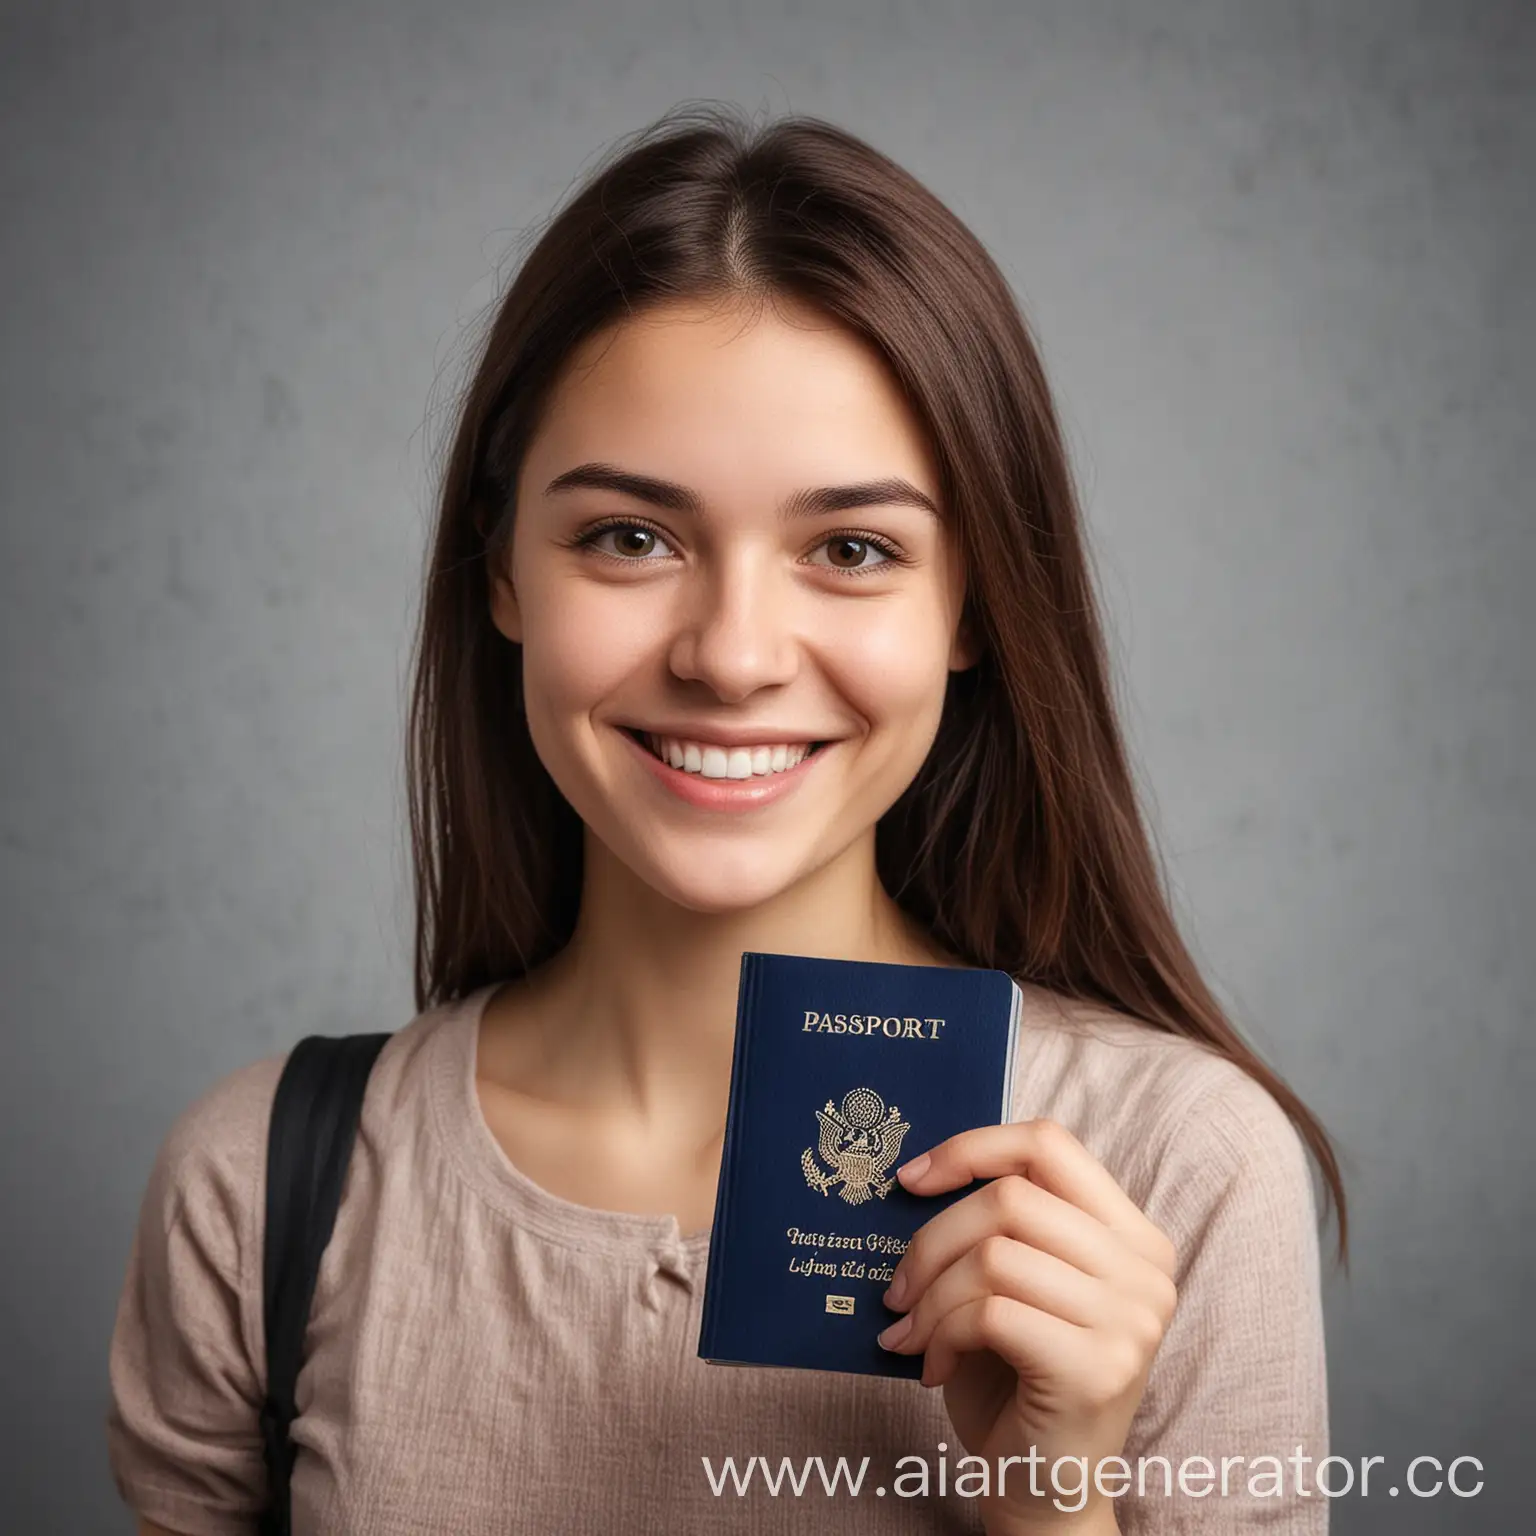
757	617
741	617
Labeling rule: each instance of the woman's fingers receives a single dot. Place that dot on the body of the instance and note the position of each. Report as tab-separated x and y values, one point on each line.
1048	1154
1000	1266
1102	1319
1032	1342
1013	1207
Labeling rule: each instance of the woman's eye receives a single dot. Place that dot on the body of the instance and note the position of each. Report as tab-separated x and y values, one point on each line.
847	553
630	541
638	542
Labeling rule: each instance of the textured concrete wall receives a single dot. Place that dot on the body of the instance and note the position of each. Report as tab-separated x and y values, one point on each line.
1279	257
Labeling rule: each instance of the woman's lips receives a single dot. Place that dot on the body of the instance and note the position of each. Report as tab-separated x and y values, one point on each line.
724	794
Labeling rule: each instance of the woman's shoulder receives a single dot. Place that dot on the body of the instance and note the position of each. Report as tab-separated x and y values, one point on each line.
211	1161
1175	1120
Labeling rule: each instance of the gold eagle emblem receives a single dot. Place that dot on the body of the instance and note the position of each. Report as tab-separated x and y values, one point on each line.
859	1143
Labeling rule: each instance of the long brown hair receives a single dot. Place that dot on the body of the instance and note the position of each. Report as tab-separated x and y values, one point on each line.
1020	844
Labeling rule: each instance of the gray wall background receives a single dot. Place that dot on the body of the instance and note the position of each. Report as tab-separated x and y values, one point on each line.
1279	256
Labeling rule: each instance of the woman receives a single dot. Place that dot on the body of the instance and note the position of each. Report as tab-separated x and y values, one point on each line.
757	617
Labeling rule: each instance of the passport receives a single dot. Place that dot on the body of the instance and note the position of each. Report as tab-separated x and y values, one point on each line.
842	1071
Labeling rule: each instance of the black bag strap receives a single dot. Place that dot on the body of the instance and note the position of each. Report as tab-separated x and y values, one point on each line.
309	1142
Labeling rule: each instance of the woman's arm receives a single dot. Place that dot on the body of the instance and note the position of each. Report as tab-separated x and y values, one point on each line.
183	1422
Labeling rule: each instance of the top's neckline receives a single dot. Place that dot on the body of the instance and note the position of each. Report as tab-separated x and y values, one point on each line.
462	1129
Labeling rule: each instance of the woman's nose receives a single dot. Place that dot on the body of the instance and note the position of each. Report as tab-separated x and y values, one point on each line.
735	632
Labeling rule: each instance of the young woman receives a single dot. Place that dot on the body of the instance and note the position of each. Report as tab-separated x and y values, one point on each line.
757	617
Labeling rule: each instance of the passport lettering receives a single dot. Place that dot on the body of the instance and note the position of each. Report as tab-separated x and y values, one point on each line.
871	1024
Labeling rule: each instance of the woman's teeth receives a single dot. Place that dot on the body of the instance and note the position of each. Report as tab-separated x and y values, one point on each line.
712	762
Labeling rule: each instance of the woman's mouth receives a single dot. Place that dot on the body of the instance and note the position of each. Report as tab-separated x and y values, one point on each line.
711	761
711	777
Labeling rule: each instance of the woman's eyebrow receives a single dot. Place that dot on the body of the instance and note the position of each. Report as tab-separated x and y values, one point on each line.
815	502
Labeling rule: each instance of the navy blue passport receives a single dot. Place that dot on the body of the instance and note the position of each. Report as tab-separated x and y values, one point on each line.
843	1070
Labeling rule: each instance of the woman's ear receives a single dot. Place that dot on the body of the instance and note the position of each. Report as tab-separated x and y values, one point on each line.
505	614
966	649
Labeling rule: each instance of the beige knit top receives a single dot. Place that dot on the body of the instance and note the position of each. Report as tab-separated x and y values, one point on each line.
486	1358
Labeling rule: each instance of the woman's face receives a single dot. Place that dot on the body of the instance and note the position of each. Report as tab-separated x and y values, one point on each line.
725	552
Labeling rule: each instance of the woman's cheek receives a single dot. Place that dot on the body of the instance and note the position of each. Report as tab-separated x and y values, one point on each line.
578	652
893	663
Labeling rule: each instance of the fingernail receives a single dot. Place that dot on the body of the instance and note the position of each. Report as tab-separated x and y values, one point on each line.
909	1172
895	1333
896	1290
